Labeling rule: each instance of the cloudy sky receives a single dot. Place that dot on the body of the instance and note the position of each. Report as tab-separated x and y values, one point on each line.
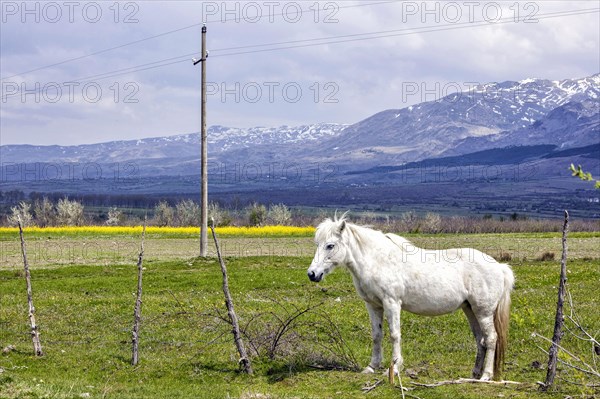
94	71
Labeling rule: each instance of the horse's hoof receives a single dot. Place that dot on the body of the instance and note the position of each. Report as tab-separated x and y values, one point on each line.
485	377
368	370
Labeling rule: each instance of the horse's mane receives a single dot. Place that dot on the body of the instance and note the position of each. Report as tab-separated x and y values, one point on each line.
329	228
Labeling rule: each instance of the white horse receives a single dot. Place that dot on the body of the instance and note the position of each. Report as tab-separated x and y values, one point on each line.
391	274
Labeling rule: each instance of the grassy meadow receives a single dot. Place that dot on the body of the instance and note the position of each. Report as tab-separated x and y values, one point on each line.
306	340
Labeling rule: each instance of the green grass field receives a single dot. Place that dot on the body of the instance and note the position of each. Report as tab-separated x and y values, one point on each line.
84	296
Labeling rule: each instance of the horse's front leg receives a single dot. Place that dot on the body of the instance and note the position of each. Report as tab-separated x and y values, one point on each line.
392	314
376	316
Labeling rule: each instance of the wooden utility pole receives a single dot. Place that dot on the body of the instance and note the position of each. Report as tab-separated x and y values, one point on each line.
204	152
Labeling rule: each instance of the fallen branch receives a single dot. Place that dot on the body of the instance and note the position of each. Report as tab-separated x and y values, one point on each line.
35	335
244	359
368	388
401	386
391	375
408	395
286	325
464	381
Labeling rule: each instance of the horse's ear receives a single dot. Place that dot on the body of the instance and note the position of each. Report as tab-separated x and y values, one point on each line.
342	227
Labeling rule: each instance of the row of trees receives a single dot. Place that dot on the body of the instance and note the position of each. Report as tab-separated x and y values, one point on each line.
43	212
187	213
66	212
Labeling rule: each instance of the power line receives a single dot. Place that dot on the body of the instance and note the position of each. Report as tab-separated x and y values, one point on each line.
316	42
175	31
381	34
98	52
405	32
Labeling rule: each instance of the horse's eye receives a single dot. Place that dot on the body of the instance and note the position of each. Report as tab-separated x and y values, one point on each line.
329	247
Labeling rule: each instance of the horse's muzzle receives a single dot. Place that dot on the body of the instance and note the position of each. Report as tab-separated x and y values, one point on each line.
313	277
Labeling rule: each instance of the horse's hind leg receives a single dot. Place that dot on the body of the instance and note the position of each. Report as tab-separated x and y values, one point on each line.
376	316
478	368
391	309
486	323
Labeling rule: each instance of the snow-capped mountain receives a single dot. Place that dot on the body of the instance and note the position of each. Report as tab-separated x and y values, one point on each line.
184	146
573	124
222	138
471	119
564	113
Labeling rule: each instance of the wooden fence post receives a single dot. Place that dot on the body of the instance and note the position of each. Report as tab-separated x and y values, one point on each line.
137	311
35	334
237	336
559	319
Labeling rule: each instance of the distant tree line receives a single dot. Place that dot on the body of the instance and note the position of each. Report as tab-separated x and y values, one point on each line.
53	209
45	212
144	201
187	213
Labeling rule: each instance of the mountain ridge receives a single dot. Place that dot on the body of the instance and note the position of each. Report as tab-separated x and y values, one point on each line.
564	113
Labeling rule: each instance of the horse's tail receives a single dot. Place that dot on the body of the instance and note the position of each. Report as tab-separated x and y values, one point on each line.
501	321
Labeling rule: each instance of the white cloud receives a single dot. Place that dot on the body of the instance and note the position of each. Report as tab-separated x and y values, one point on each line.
364	76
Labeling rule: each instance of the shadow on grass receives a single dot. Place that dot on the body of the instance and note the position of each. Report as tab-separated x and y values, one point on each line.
275	371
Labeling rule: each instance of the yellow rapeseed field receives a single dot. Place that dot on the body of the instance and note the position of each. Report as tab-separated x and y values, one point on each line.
262	231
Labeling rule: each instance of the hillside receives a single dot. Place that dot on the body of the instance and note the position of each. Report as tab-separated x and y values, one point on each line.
507	144
531	112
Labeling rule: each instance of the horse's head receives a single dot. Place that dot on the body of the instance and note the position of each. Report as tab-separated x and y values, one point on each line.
331	248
